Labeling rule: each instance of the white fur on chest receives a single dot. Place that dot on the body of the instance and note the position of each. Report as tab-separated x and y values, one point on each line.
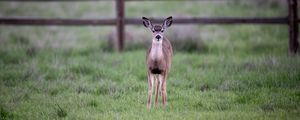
156	52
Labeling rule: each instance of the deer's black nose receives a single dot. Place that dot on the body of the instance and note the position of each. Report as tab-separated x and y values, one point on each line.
158	37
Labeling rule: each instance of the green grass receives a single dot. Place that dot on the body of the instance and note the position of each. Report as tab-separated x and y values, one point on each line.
68	84
64	72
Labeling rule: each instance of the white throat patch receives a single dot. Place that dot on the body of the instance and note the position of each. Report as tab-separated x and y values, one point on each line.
156	50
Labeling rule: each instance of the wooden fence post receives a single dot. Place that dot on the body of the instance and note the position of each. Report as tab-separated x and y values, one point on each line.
120	24
293	27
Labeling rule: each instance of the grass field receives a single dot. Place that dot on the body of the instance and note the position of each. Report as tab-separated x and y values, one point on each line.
64	73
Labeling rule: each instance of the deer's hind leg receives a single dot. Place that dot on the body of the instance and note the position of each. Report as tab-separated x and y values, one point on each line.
157	90
150	89
164	88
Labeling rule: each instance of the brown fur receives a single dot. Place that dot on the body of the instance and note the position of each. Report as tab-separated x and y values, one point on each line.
158	59
164	64
161	68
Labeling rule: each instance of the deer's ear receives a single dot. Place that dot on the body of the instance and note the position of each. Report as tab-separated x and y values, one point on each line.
147	23
168	22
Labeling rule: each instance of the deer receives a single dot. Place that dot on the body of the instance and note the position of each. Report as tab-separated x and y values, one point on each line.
158	60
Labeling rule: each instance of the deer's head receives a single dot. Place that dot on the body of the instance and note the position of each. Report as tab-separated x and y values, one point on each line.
157	30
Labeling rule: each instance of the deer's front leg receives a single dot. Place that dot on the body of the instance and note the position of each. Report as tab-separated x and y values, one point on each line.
150	89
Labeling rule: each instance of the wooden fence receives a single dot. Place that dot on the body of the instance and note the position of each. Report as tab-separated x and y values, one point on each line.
291	19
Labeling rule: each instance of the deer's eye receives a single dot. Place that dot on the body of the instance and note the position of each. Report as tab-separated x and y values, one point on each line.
153	31
162	31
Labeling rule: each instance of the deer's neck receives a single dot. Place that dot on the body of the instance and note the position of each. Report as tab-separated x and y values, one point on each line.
156	51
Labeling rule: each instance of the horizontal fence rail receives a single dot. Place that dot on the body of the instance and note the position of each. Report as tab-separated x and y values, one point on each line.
218	20
120	21
63	22
137	21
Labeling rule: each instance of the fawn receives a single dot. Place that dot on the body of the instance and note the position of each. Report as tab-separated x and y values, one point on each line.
158	59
